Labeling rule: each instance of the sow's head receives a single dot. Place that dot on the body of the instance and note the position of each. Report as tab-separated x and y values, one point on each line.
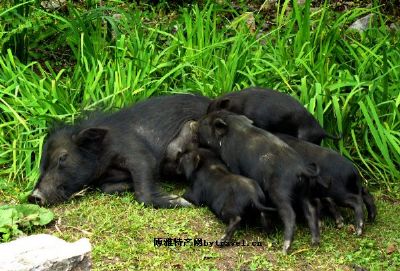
70	161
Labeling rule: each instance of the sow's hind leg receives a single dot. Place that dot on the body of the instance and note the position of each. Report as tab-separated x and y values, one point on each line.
144	173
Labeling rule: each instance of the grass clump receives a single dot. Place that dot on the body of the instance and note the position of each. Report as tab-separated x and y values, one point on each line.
348	80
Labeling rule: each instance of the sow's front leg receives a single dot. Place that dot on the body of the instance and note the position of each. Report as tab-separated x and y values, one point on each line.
116	188
115	181
144	172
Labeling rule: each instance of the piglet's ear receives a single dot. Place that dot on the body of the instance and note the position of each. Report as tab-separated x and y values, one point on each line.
194	126
179	167
90	137
218	104
224	103
196	161
221	127
245	119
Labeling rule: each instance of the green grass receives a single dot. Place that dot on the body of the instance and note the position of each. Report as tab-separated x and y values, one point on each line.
56	65
129	244
349	81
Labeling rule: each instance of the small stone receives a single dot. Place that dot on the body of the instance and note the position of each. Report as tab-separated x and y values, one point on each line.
268	5
394	27
390	249
175	29
117	16
46	253
359	268
250	22
351	228
362	24
53	4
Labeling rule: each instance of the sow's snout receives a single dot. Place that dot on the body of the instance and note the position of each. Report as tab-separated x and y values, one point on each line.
37	197
48	192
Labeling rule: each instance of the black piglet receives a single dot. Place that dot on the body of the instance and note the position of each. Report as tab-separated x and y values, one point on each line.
229	196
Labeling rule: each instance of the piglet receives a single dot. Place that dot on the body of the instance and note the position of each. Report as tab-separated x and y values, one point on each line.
229	196
273	111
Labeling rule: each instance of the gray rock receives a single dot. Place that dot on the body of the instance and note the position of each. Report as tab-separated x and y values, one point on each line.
43	252
117	16
362	24
394	27
268	5
52	5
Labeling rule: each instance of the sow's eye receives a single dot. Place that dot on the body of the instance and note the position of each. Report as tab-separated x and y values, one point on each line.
62	158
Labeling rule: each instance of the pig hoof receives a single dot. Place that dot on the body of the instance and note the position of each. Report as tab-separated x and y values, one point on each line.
359	229
222	240
286	246
339	223
179	201
315	242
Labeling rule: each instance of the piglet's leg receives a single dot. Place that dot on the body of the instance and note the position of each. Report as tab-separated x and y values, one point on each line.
334	210
318	209
192	197
230	230
369	204
311	215
355	201
265	222
288	217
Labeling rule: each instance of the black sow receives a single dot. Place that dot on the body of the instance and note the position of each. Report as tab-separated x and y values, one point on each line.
130	143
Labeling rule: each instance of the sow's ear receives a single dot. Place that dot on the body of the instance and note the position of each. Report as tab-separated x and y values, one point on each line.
90	137
221	127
